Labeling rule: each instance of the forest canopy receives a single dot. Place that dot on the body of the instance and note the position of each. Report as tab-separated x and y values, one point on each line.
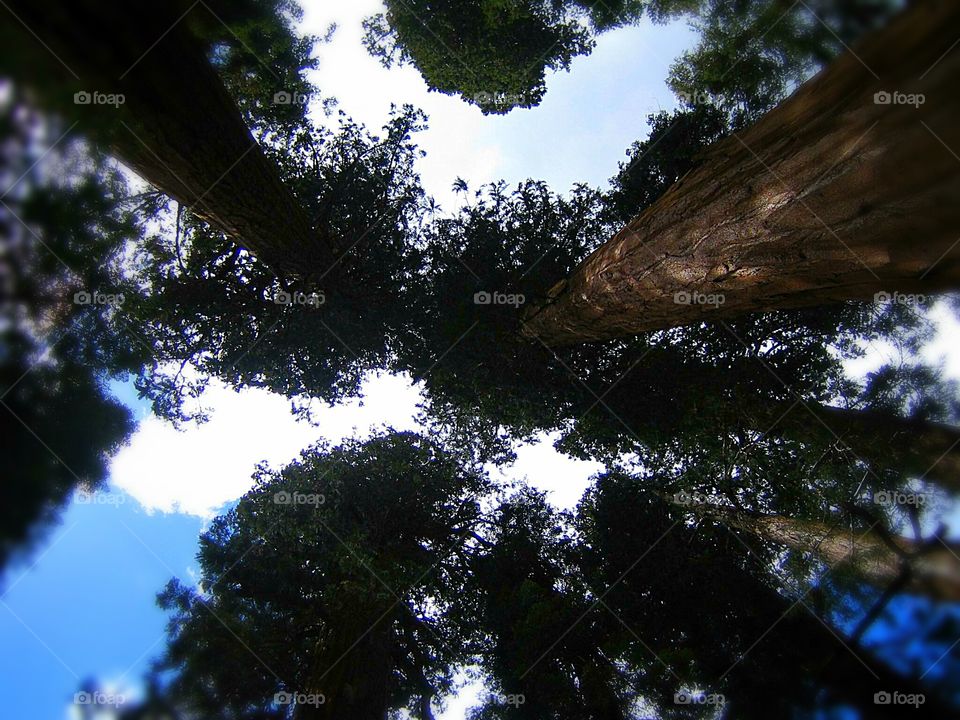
769	520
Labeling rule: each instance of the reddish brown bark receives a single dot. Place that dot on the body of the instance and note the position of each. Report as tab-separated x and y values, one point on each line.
829	197
935	572
926	450
178	128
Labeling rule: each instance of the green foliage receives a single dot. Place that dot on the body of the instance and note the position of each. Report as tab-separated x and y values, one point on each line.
257	51
58	420
198	299
336	573
516	244
699	610
752	53
58	424
543	643
395	560
494	54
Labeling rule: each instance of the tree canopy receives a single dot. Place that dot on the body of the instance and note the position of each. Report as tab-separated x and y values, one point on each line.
369	578
338	573
496	55
361	577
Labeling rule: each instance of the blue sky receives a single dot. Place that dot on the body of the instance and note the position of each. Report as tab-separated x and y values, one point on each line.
83	604
577	134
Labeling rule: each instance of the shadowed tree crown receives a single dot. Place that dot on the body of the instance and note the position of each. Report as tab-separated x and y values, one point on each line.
494	54
336	573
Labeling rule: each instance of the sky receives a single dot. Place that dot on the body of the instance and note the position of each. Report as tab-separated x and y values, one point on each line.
579	133
82	605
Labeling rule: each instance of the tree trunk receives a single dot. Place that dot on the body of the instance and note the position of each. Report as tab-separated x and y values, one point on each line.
830	197
935	573
927	450
353	664
178	127
811	649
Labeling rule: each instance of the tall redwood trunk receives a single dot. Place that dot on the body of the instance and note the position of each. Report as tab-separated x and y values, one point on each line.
816	651
178	127
935	573
831	196
353	665
926	450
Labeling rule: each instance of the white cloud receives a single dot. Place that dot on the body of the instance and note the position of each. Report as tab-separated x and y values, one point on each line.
579	132
197	470
942	349
563	478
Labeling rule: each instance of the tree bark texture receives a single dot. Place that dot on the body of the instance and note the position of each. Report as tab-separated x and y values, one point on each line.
935	572
928	450
178	128
834	195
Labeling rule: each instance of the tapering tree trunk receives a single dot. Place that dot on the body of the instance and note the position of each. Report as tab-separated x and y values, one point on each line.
178	127
831	196
935	573
814	650
353	665
929	451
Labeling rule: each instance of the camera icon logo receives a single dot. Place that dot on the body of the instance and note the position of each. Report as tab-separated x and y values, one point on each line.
884	497
882	97
284	97
482	298
82	98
